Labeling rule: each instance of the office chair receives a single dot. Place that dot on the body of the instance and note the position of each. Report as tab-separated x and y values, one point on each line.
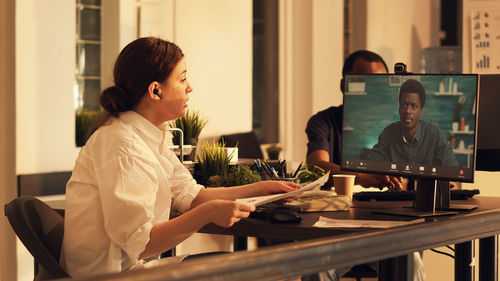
248	144
41	230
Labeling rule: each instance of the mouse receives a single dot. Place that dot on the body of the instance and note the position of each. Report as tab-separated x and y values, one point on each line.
284	215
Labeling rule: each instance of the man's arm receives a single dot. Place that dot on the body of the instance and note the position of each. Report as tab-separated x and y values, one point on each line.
379	150
321	158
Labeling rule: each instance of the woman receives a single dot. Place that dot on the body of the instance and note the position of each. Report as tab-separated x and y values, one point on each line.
126	181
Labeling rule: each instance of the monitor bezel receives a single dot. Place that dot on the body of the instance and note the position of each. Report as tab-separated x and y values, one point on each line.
487	156
414	175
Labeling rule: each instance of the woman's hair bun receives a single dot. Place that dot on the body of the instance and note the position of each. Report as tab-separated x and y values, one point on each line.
114	100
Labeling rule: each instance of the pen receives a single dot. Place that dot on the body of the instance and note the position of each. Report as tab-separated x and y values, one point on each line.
283	168
297	171
257	166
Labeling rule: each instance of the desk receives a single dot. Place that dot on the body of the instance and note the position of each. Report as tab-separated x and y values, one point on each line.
437	231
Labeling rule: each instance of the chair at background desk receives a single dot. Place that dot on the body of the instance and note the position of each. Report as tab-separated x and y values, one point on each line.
41	230
248	144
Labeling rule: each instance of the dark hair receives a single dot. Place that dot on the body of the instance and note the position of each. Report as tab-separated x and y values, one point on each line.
361	54
140	63
413	86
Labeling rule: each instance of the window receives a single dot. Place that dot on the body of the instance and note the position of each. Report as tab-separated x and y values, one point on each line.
265	113
88	66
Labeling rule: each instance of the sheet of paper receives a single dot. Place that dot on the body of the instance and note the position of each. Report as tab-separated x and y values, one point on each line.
260	200
327	222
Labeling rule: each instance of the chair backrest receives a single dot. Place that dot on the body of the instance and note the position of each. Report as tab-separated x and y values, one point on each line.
248	144
41	230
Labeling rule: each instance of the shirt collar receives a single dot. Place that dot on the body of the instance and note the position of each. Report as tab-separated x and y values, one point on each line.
417	136
154	135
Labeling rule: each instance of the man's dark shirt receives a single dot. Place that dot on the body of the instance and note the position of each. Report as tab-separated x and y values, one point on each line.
429	147
324	131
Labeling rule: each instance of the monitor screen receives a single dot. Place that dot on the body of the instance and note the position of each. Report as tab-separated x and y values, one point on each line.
420	126
488	135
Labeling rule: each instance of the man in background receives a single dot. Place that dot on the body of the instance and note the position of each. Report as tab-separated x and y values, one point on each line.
324	129
324	133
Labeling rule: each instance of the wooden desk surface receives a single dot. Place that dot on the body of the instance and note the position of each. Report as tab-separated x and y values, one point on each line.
359	210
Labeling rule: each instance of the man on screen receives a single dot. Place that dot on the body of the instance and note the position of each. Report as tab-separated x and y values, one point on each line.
411	140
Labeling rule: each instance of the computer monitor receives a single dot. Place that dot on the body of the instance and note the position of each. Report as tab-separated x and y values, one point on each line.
488	135
419	126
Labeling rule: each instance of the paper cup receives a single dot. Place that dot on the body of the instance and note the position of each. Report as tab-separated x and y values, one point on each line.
344	184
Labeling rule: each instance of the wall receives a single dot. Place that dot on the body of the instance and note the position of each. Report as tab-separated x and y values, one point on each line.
311	47
218	50
45	63
7	136
399	30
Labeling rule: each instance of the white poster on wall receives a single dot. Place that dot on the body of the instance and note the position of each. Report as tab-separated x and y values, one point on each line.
485	40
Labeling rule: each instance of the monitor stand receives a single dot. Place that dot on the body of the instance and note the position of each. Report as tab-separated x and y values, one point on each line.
432	198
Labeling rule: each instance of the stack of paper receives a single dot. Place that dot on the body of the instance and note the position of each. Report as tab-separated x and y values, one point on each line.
321	201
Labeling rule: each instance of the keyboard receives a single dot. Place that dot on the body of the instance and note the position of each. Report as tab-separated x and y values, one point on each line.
461	194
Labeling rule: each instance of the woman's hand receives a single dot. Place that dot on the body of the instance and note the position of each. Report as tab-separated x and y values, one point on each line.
273	187
225	213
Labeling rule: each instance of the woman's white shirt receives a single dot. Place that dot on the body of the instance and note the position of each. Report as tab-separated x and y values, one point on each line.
124	181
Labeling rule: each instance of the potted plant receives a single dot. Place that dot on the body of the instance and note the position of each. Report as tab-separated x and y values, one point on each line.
84	121
273	151
213	163
240	175
309	175
191	125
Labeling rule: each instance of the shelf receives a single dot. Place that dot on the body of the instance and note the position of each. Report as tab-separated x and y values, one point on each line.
462	132
462	151
355	93
348	128
448	93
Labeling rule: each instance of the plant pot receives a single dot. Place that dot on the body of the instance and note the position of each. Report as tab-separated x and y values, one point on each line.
192	156
187	141
273	155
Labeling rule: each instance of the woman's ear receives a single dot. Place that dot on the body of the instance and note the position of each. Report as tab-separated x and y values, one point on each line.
154	90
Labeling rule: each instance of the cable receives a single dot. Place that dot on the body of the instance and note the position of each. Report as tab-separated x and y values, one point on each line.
443	253
451	248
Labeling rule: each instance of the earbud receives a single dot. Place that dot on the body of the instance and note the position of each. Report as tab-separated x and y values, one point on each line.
155	92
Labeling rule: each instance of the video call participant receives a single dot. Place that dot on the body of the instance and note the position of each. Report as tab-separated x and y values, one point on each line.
324	129
411	140
126	182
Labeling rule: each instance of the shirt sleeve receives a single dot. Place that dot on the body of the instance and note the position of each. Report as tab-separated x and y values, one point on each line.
128	185
184	187
318	134
447	155
380	150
